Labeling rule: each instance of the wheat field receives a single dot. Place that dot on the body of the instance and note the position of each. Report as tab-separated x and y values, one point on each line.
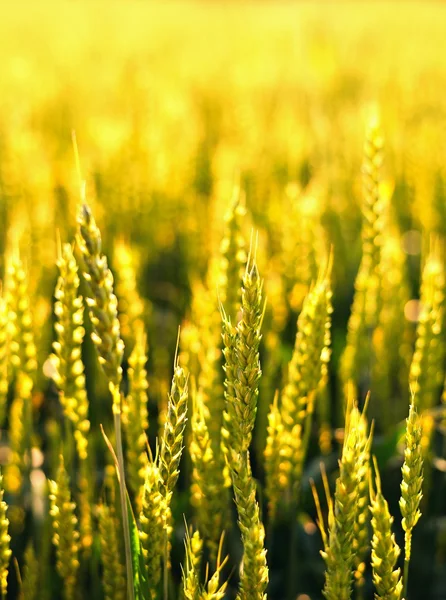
222	301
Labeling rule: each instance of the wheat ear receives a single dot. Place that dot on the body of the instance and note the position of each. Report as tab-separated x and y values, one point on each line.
67	357
65	527
114	571
411	484
385	550
5	540
242	369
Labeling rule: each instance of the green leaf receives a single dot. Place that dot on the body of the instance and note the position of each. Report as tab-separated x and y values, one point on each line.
140	579
140	582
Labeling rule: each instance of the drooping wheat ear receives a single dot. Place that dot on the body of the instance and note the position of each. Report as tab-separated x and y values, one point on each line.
233	256
5	539
22	346
152	519
135	416
101	300
412	481
385	551
355	360
20	428
133	310
426	369
306	370
242	369
66	535
191	571
206	490
338	550
4	356
30	575
67	358
361	528
114	571
214	590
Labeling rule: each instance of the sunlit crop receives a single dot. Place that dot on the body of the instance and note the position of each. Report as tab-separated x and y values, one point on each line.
222	301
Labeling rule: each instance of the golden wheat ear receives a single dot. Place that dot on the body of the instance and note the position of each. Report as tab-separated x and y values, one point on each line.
65	530
242	370
101	300
152	519
191	571
114	570
31	571
385	551
135	417
66	360
412	482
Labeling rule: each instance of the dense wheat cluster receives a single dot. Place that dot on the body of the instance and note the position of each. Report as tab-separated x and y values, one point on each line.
222	308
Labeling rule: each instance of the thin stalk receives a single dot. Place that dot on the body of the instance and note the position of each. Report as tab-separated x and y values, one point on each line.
405	577
293	549
165	573
308	423
125	517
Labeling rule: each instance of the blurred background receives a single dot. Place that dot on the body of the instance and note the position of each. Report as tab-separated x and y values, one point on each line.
175	103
